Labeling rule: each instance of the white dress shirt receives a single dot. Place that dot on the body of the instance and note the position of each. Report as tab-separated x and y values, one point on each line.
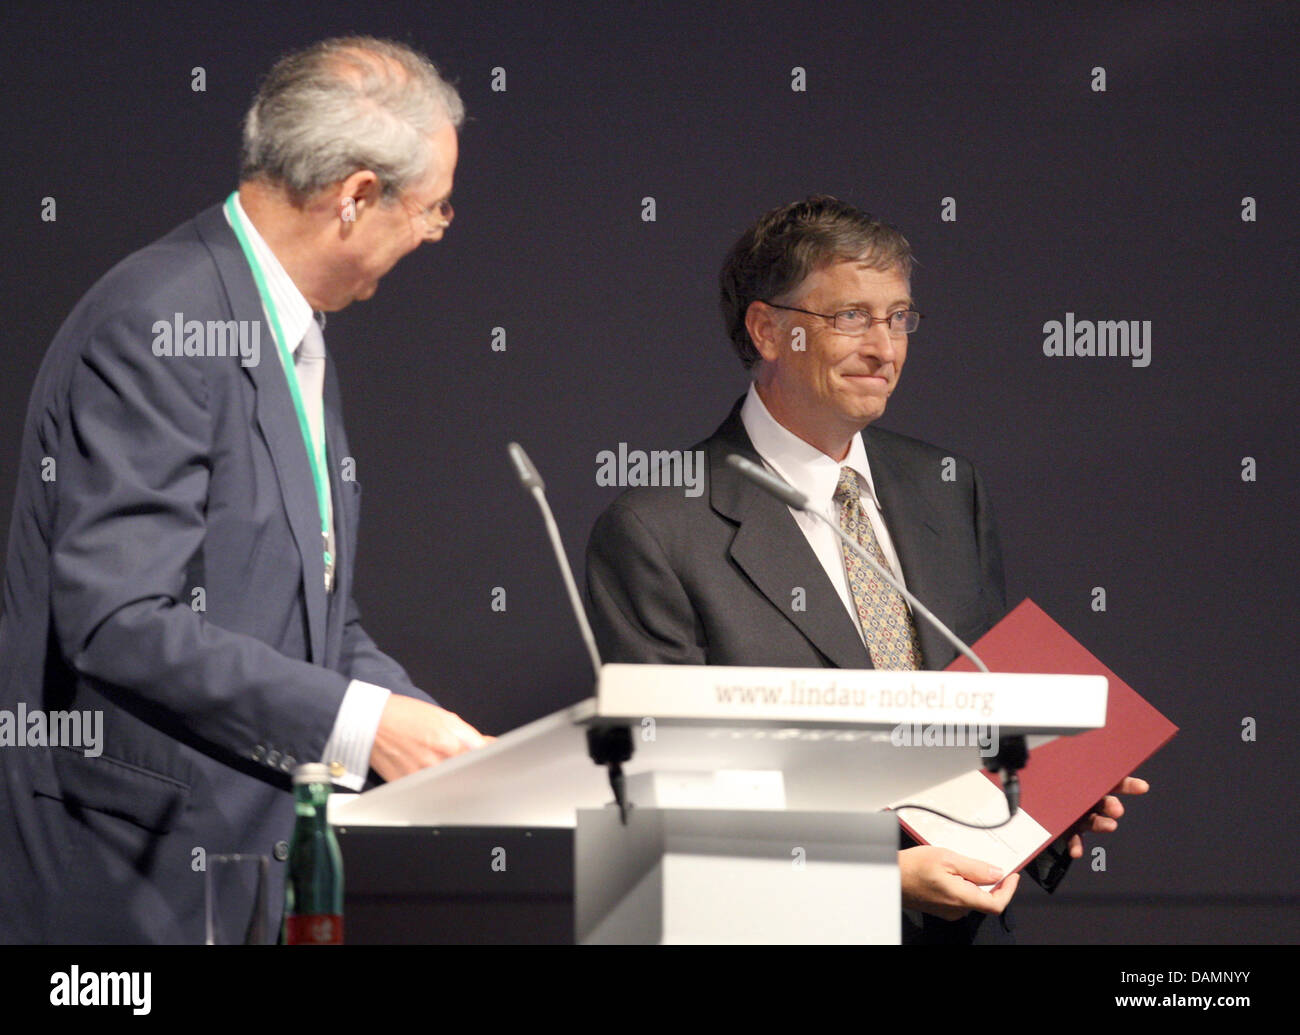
816	475
357	722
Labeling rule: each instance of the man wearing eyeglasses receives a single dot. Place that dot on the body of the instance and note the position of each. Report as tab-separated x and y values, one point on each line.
185	570
817	301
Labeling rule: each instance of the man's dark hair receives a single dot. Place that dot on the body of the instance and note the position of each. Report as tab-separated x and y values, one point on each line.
773	256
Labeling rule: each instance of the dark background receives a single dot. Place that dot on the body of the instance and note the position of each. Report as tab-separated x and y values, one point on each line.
1118	205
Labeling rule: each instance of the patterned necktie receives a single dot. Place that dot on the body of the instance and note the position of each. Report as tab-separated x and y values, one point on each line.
886	622
309	365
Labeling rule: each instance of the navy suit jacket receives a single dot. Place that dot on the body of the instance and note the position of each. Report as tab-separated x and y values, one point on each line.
714	579
143	478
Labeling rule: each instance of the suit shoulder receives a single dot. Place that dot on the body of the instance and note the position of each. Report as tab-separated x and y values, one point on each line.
655	506
113	325
905	448
173	270
174	274
667	503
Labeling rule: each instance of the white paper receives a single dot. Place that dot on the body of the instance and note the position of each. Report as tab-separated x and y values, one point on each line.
976	799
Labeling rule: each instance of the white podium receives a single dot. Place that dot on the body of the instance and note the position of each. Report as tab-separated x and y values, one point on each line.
754	793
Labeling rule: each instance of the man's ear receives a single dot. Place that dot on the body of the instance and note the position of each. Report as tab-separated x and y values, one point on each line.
765	329
360	191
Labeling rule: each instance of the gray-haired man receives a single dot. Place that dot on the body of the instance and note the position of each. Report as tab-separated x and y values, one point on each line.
187	571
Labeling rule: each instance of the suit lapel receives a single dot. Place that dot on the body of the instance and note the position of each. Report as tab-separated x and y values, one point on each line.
772	551
277	420
916	541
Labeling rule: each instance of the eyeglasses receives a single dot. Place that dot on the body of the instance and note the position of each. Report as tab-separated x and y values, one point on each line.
859	321
437	217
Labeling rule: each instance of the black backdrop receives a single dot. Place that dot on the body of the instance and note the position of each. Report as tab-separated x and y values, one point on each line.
1122	204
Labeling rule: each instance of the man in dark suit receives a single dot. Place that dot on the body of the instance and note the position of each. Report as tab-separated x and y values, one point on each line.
180	561
818	305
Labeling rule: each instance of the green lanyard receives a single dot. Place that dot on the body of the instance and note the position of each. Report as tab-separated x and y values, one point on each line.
314	456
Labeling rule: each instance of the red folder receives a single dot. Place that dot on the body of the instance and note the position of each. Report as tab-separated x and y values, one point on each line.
1066	778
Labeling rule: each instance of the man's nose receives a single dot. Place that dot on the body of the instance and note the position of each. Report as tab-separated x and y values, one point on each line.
881	342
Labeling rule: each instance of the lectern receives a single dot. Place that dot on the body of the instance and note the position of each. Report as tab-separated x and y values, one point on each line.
753	795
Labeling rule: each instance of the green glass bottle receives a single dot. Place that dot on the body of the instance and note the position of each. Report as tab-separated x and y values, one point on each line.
313	891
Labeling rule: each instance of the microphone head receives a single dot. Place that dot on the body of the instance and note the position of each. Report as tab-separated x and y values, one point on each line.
746	467
769	482
524	468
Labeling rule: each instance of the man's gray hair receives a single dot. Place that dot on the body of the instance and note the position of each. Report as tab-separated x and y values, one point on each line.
347	104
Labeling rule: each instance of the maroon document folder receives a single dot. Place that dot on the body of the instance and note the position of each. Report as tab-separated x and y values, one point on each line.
1066	778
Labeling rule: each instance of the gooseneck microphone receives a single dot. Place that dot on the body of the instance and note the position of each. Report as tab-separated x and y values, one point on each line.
532	482
1012	753
609	746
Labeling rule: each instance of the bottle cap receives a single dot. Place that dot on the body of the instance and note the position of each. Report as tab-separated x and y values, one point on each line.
312	772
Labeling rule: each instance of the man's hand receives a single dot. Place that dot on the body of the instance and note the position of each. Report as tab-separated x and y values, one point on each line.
945	884
1104	818
415	734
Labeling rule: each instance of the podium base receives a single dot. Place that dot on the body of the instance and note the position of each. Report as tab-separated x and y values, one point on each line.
745	876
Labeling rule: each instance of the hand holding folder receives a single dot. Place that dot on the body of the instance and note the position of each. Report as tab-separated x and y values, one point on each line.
1070	785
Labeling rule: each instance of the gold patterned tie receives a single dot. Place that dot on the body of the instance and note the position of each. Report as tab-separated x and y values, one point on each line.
886	622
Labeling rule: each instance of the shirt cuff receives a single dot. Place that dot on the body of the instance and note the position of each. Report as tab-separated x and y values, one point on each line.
347	752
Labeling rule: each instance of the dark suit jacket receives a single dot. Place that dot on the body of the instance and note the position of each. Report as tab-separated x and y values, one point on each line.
714	579
169	473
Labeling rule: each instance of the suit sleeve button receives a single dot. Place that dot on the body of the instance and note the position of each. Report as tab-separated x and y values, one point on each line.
259	753
273	758
281	851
